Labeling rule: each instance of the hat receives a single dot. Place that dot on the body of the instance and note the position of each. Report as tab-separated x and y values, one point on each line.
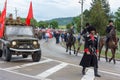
87	24
110	21
91	28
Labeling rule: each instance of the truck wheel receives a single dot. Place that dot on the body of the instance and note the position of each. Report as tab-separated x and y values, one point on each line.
36	56
1	52
7	54
24	55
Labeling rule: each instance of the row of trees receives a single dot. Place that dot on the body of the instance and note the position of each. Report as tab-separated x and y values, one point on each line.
117	19
98	15
45	24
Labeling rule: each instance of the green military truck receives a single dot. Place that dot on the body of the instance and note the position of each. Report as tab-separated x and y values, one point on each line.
19	40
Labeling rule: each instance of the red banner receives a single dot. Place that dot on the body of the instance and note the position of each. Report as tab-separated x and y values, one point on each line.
2	20
30	15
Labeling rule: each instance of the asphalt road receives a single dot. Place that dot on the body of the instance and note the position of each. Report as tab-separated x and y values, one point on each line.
55	64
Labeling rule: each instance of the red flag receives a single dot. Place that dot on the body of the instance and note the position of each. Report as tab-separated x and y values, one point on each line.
2	20
30	15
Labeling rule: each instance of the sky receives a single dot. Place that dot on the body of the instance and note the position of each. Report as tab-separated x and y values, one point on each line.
49	9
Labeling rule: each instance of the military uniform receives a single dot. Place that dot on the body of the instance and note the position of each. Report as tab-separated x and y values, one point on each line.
108	29
18	21
10	22
85	30
89	58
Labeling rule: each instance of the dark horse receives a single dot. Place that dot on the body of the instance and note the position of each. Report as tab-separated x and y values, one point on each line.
70	42
112	44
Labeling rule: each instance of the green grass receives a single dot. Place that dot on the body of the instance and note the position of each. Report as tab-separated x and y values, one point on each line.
117	55
62	27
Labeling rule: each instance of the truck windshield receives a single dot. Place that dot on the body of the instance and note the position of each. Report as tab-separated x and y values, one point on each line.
19	31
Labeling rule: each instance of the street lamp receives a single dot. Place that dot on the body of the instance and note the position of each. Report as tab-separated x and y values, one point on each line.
81	2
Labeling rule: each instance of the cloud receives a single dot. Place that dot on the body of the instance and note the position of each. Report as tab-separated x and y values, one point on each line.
48	9
114	5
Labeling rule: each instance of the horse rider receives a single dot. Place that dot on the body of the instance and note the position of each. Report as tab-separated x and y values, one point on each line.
108	29
85	30
89	58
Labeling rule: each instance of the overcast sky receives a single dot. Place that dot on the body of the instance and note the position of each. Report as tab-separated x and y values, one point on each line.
48	9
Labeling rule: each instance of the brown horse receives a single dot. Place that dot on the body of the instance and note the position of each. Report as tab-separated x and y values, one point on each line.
112	44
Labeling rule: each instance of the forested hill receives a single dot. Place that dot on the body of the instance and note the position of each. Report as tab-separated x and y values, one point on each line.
62	21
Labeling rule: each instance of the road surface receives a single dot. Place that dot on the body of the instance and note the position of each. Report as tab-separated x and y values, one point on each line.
55	64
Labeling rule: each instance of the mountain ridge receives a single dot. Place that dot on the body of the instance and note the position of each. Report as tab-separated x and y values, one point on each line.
62	21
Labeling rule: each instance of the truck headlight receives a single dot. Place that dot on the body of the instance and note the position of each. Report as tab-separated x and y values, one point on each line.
35	42
14	43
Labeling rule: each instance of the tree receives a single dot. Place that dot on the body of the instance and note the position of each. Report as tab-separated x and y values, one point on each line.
117	19
43	24
77	20
23	20
34	22
98	16
106	7
54	24
86	14
68	26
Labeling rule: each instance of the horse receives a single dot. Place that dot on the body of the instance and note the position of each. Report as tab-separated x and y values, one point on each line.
70	42
112	45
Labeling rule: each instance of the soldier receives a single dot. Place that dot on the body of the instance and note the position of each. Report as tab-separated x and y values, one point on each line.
10	20
18	21
108	29
85	31
89	58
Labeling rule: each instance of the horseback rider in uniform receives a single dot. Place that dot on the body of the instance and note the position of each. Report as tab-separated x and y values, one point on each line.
89	58
108	29
85	30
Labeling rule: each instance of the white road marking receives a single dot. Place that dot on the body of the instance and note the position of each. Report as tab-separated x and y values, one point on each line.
52	70
29	64
111	73
89	75
30	76
106	72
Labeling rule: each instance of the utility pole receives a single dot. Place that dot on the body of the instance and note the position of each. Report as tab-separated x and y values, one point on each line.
16	12
81	2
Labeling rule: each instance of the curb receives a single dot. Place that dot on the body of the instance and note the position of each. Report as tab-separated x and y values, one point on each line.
82	53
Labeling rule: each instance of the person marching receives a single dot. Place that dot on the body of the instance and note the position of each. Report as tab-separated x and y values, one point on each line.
108	29
89	58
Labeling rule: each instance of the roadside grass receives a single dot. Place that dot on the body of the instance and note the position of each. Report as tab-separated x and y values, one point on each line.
62	27
109	54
